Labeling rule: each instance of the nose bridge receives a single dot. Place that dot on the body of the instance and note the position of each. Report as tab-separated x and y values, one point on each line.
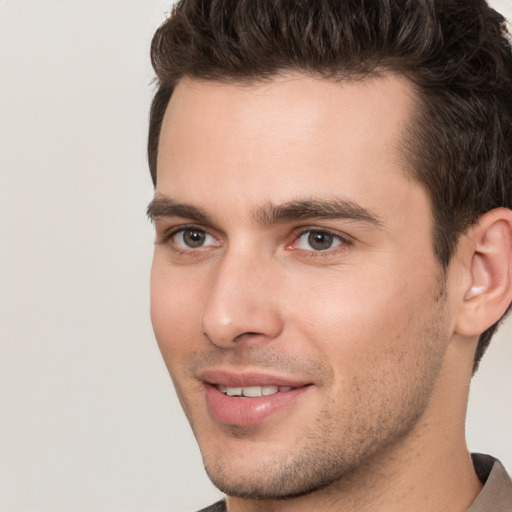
242	303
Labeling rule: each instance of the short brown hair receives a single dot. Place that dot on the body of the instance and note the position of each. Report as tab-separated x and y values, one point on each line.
456	53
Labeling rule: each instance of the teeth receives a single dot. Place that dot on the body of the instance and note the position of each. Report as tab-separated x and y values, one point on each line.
253	391
234	391
269	390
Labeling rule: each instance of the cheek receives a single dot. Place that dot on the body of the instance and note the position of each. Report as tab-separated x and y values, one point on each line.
175	311
366	321
384	347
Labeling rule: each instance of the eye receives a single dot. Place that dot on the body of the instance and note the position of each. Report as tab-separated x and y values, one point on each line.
192	238
317	240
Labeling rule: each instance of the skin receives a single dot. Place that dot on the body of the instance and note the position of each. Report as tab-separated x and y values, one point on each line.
371	323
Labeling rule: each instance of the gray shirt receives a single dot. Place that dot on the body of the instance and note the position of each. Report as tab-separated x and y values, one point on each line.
496	495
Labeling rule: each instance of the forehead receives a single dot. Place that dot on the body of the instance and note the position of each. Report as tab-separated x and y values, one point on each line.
267	139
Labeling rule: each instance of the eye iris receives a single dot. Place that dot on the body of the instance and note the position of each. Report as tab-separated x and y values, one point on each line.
193	238
320	241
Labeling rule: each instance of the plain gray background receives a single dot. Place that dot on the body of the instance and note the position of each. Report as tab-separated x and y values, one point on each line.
88	417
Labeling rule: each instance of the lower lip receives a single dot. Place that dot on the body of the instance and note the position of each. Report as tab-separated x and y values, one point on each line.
242	411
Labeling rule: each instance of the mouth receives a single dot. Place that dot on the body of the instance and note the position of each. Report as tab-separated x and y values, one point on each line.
245	399
253	391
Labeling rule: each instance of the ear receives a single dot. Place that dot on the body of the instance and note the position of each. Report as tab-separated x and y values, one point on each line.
487	283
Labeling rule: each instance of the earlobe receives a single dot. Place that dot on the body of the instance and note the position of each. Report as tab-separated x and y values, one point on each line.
488	286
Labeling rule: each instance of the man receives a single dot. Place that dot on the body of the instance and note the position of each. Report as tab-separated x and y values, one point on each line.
333	245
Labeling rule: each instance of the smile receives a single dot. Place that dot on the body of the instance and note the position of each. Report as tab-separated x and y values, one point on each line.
251	405
253	391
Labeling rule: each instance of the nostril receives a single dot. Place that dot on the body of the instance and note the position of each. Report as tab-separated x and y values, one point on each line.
240	338
250	334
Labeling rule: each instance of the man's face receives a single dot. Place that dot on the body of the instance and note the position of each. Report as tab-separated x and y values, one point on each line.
294	264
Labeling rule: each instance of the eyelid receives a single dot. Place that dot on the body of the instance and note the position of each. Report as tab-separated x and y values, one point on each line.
346	240
167	234
179	239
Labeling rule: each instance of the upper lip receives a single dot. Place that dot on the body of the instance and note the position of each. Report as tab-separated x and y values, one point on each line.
248	378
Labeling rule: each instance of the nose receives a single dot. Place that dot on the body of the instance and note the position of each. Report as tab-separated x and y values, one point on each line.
242	306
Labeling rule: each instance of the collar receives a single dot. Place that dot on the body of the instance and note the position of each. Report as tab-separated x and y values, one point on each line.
496	495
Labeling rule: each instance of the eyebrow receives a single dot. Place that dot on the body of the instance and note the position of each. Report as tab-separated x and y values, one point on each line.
269	213
315	209
162	206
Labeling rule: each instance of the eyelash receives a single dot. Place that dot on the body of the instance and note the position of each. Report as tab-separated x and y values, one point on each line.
344	241
167	239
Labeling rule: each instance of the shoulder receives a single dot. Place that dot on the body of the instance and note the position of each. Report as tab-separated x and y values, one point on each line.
496	494
220	506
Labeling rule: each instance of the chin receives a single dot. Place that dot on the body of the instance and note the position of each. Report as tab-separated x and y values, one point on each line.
281	486
275	476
